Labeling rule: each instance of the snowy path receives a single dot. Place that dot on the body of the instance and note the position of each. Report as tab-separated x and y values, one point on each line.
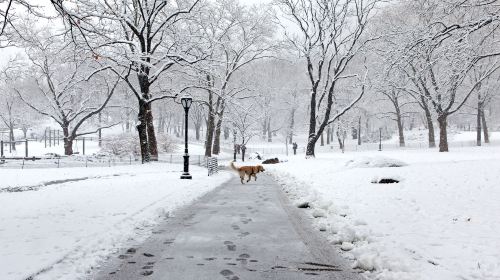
236	232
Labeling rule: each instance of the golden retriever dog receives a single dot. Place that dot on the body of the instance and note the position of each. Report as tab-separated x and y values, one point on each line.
248	171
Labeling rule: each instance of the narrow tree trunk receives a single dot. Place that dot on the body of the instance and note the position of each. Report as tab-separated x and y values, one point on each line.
341	143
478	122
322	141
485	127
143	133
400	129
197	130
327	135
210	126
67	140
359	131
153	145
100	130
430	124
269	132
291	127
226	133
443	134
12	138
218	129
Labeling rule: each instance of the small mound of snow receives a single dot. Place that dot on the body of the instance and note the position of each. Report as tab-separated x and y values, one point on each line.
374	162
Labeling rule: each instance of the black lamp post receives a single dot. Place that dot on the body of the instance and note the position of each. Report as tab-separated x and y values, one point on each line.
186	101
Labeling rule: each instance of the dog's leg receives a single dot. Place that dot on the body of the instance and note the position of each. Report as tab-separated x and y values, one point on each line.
249	178
241	179
255	176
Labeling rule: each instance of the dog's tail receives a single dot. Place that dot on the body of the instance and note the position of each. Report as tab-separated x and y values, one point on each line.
233	167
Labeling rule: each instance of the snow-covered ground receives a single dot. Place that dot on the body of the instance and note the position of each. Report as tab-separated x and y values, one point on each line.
60	230
440	222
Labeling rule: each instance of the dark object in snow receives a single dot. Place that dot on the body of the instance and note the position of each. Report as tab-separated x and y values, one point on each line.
304	205
386	181
271	161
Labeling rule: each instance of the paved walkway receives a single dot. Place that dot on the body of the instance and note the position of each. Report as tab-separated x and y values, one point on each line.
235	232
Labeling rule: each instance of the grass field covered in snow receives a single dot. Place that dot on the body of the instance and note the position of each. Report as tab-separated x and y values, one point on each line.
59	223
440	222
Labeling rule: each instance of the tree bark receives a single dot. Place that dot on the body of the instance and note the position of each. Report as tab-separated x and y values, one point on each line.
400	128
327	135
143	133
12	138
478	122
430	124
443	135
210	127
67	140
269	132
359	131
197	130
218	127
322	140
292	124
485	127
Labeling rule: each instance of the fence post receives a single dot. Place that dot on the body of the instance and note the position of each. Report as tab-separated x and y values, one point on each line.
26	148
45	137
83	145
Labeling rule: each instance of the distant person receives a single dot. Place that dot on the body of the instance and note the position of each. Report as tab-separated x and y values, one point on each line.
294	145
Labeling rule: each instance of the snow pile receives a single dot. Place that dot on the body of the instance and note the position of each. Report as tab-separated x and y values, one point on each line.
62	230
374	162
439	222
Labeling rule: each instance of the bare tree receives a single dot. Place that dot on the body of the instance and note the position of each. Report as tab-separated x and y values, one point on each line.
329	38
66	86
239	35
143	37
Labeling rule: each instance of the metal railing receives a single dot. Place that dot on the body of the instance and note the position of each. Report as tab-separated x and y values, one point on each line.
212	165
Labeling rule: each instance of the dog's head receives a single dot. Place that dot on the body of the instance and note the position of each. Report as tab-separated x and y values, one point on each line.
260	168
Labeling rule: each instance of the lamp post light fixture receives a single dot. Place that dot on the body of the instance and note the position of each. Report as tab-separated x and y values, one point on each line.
186	101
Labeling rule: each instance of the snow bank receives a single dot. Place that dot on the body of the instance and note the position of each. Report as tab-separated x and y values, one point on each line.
61	231
439	222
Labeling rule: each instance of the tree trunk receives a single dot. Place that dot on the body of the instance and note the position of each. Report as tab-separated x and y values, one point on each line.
100	130
322	141
327	135
400	129
292	124
197	130
153	145
478	122
226	133
218	128
143	133
269	132
341	143
430	124
311	140
67	140
359	131
12	138
443	134
485	127
210	126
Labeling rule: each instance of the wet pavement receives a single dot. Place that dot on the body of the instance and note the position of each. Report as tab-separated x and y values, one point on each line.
236	232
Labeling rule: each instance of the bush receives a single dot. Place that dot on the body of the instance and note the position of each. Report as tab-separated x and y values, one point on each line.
126	144
166	144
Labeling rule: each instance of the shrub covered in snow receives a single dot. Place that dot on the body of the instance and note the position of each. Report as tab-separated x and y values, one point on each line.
128	144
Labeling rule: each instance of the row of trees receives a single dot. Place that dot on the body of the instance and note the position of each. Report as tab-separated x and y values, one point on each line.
262	70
